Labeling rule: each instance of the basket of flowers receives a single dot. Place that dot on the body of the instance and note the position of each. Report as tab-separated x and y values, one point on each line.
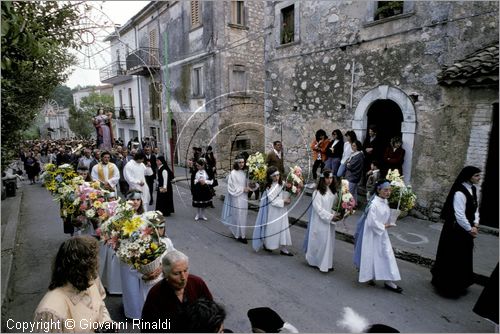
402	197
120	214
90	201
142	247
294	182
55	177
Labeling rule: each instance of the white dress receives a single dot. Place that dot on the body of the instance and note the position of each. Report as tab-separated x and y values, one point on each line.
109	269
135	289
377	257
321	242
277	232
134	174
236	184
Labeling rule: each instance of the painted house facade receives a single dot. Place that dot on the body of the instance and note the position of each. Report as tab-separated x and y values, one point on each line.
349	64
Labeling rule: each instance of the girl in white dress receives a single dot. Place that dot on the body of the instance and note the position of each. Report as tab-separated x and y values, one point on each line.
377	257
272	229
321	229
234	213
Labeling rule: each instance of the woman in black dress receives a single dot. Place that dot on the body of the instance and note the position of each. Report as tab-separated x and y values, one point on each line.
452	272
164	196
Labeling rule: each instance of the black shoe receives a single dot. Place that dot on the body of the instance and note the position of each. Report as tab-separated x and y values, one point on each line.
243	240
397	289
267	249
150	202
286	253
331	269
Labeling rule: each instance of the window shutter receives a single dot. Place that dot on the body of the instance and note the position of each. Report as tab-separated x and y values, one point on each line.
195	14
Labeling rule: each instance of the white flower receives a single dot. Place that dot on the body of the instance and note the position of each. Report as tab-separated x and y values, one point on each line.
346	197
294	189
90	213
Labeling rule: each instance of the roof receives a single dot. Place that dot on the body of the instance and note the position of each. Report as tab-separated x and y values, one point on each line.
480	67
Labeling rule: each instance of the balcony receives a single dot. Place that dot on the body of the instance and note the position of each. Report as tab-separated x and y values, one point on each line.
143	61
124	114
114	73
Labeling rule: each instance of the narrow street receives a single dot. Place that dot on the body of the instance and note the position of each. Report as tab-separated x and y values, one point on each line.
241	279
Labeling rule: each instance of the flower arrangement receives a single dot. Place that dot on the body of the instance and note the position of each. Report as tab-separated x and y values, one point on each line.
119	225
294	181
141	247
90	204
55	177
257	167
402	196
346	203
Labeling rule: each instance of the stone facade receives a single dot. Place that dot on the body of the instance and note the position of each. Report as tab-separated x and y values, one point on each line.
344	67
214	82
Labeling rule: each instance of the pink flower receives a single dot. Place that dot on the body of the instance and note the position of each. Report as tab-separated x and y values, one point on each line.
83	207
98	232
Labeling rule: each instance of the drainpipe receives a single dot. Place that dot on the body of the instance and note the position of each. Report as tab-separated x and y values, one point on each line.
352	84
139	93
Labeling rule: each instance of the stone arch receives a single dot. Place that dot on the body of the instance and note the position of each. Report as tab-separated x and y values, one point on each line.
408	126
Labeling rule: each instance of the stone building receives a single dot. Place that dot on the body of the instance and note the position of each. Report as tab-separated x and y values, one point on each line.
348	64
211	91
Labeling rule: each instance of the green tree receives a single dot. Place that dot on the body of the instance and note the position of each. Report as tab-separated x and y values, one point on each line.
80	121
63	95
35	38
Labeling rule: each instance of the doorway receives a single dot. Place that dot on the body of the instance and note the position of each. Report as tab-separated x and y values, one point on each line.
387	117
174	156
488	209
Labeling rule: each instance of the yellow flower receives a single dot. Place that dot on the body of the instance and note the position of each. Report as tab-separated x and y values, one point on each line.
93	196
130	226
154	246
97	204
148	251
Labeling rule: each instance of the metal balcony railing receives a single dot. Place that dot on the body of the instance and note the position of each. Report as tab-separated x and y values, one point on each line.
143	59
124	113
115	69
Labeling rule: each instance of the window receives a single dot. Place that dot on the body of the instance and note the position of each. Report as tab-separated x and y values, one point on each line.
197	81
121	133
288	24
154	100
238	12
195	14
238	80
120	98
386	9
133	134
153	48
242	144
130	98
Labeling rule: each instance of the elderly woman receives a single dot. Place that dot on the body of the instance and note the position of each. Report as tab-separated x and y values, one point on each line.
75	292
175	291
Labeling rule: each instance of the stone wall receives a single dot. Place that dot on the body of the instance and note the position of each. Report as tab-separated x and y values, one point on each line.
340	56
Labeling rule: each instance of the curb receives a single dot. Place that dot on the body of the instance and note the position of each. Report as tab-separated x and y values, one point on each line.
9	239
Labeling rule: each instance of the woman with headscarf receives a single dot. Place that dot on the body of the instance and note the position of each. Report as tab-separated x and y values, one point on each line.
164	196
452	272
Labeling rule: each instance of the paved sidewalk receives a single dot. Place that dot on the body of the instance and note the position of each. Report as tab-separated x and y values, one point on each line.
413	240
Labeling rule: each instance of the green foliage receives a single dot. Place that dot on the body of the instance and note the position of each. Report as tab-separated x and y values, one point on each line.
63	96
80	121
35	37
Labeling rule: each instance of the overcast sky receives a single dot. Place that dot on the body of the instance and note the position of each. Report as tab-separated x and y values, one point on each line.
119	12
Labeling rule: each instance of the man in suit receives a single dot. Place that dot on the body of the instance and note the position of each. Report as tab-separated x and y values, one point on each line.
150	161
275	157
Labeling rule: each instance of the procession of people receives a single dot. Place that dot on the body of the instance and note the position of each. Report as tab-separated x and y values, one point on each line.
169	289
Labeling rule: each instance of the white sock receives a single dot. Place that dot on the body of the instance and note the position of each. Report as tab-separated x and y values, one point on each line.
391	284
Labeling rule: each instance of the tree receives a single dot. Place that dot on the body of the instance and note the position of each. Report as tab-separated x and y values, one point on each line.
35	36
80	121
63	95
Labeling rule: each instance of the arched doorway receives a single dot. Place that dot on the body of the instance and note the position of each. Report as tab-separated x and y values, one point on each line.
386	100
387	117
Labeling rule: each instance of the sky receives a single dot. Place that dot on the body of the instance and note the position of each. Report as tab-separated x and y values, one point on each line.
118	12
